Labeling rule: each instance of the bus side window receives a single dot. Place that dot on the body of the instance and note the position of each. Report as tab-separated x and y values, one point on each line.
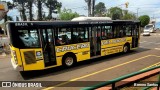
63	36
86	37
118	31
80	38
121	33
124	31
80	35
109	33
128	30
104	32
65	39
58	41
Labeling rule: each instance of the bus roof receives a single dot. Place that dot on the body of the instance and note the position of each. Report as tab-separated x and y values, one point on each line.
75	21
90	18
61	21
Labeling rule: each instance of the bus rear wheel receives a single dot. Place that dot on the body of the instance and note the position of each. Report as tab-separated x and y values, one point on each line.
126	48
68	61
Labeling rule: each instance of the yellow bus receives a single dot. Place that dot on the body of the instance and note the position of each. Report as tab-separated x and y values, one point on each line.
38	45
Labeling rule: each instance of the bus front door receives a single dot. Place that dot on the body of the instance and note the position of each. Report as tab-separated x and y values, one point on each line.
95	42
135	36
48	47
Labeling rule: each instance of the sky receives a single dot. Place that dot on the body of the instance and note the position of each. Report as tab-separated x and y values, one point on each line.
147	7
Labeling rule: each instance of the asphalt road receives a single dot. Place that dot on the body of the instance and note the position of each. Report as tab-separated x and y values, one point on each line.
89	72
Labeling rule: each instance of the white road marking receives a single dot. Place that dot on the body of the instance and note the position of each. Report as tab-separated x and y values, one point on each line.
149	42
146	43
4	38
157	48
143	41
155	34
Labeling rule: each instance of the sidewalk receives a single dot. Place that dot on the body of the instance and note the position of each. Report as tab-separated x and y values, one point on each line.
148	81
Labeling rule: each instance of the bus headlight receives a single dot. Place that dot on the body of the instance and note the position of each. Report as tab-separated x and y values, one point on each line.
15	57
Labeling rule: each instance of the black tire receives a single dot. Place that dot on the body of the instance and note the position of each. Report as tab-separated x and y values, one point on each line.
68	61
126	49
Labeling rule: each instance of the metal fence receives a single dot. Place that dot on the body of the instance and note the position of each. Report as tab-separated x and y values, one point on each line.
114	81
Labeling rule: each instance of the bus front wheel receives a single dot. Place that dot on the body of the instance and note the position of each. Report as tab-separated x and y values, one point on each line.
125	48
68	61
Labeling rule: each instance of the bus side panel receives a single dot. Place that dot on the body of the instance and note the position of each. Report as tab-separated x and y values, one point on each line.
59	61
81	50
84	55
32	59
112	46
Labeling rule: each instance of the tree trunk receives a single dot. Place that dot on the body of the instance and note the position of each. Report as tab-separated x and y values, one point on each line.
89	7
23	12
30	11
93	4
5	20
50	12
39	10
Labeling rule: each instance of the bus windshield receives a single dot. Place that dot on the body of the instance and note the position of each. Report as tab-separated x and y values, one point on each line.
26	38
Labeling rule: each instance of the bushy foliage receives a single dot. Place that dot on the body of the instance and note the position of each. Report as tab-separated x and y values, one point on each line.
67	14
144	20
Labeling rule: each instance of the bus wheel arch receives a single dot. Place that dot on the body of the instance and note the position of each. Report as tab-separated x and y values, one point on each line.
69	59
126	47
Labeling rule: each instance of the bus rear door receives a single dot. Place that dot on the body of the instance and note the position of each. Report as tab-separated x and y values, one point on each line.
95	41
135	36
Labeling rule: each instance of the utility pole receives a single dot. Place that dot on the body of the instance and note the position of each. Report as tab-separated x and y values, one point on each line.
92	7
89	4
137	12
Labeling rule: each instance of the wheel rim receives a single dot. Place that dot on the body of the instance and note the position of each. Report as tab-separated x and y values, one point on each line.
125	49
69	61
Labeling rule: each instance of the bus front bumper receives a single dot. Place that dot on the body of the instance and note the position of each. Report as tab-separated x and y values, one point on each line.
15	66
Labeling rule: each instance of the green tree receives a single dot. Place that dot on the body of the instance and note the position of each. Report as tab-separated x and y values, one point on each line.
67	14
115	13
9	18
29	5
10	7
128	15
6	18
144	20
52	5
17	18
20	4
100	9
44	16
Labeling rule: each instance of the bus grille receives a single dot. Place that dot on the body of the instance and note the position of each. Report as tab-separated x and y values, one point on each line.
29	57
